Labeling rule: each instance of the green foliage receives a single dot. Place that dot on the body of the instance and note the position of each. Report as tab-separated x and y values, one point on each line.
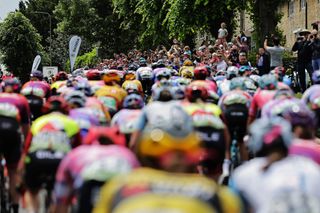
19	44
265	17
89	59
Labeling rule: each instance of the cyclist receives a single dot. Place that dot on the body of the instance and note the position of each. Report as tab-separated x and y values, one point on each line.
268	88
235	109
280	72
14	126
36	91
50	138
212	131
266	180
131	85
126	118
85	169
245	71
224	85
171	153
93	75
60	80
304	125
146	77
315	87
111	95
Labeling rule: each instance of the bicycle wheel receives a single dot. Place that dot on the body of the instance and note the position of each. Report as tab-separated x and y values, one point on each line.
4	194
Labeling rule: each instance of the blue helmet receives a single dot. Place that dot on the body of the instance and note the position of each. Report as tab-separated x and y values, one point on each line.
237	82
316	77
133	101
268	82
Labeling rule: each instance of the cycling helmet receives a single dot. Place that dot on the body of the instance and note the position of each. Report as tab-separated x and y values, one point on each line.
286	80
163	93
161	64
268	134
255	78
84	88
243	69
268	82
93	75
300	115
130	75
186	73
133	101
78	72
201	73
105	136
237	83
162	73
61	76
145	73
232	72
187	62
110	76
316	77
284	94
76	98
133	67
194	92
55	103
37	74
14	83
142	61
179	92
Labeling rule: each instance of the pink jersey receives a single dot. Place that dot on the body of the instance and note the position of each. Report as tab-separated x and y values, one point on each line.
307	148
260	98
91	162
37	88
15	106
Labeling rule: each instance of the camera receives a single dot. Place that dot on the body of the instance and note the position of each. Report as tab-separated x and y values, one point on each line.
312	37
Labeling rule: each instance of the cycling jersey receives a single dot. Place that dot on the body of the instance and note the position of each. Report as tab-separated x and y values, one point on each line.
86	118
261	188
99	109
133	85
14	106
278	106
306	95
146	186
168	116
191	108
235	97
260	98
36	88
91	162
307	148
58	84
53	131
111	96
127	120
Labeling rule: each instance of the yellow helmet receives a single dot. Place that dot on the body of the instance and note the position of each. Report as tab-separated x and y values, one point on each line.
111	76
187	72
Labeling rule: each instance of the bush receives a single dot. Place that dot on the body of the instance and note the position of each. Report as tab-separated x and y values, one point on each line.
89	59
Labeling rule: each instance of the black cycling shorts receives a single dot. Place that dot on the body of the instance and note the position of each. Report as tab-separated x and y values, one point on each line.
88	195
236	118
41	167
213	141
10	140
35	104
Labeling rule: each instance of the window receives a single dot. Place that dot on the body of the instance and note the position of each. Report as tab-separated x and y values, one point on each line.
303	4
290	7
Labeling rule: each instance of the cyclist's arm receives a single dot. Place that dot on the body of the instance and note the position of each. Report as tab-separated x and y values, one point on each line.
141	123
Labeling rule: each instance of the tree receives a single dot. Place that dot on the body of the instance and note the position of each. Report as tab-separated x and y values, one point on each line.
95	22
265	17
19	44
40	21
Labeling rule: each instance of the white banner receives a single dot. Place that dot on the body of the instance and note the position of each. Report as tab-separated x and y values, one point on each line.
74	46
36	63
49	71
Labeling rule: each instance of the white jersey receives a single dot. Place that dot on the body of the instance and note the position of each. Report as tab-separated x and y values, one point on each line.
289	177
168	116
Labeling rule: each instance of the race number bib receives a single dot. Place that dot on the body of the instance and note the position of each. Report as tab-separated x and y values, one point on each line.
54	140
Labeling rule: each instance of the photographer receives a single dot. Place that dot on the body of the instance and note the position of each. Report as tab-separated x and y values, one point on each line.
315	46
302	45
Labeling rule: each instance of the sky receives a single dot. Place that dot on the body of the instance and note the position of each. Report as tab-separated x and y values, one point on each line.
7	6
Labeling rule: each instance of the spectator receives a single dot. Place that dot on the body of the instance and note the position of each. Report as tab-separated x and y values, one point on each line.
302	45
263	62
276	52
243	60
315	46
222	34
